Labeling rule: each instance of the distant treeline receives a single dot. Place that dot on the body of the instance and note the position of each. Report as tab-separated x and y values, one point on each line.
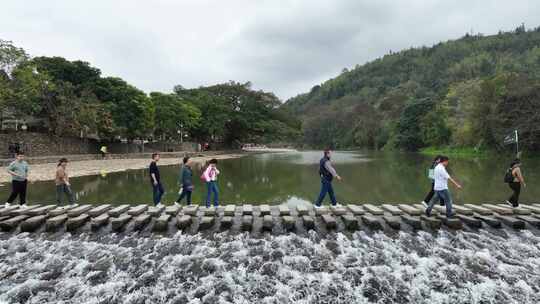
71	98
470	92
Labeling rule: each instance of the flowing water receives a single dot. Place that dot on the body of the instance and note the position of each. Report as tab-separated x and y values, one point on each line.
464	267
292	178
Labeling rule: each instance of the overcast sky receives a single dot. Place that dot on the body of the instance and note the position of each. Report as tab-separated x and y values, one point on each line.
282	46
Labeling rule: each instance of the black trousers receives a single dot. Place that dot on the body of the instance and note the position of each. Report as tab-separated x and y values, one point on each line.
18	188
514	198
430	194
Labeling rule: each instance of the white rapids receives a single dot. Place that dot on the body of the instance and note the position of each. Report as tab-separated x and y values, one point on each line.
462	267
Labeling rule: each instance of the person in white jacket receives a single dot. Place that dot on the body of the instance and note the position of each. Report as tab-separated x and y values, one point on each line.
210	176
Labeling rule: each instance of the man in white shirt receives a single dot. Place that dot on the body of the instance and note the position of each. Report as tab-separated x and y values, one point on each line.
441	177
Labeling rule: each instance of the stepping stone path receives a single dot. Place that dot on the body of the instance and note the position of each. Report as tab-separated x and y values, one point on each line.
41	210
206	222
208	211
393	221
338	210
117	211
77	211
8	210
24	211
284	210
191	210
534	209
265	210
55	222
491	221
329	221
119	222
308	221
183	222
414	222
247	210
141	221
100	220
431	222
322	210
517	210
356	210
13	222
531	220
470	221
99	210
511	221
452	223
351	223
302	210
138	210
172	210
410	210
230	210
75	222
33	223
268	223
462	210
373	209
392	209
226	222
155	211
479	209
288	222
162	222
372	222
247	222
499	209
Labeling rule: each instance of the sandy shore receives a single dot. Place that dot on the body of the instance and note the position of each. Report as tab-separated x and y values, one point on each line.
44	172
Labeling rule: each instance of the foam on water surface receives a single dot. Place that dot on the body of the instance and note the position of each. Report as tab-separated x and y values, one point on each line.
462	267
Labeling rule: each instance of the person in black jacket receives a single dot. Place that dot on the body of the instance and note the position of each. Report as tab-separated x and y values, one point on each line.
186	181
327	174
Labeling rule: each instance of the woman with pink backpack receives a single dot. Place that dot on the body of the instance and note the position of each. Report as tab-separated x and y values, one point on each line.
210	177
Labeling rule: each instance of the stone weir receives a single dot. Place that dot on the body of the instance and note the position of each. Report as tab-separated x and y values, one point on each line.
261	218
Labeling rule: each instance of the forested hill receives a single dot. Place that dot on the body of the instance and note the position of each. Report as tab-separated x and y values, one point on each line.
468	92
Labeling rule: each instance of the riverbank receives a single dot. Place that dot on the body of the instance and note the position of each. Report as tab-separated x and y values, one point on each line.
45	172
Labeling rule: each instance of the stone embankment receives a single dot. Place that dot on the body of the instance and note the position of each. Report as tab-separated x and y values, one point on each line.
261	218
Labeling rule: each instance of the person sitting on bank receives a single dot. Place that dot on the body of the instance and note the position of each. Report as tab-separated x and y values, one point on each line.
327	174
210	177
441	178
18	170
62	184
186	182
155	179
515	183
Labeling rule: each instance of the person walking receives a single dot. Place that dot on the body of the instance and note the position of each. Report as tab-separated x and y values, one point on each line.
186	182
62	184
515	181
431	192
441	178
327	174
155	179
103	151
210	177
18	170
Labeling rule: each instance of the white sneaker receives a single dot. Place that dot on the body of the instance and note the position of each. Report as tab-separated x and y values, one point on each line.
7	205
318	207
73	205
159	205
176	204
424	204
24	206
508	203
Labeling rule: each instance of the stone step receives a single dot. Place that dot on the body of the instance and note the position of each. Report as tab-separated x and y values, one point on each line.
191	210
284	210
338	210
7	210
100	220
155	211
75	222
372	221
414	222
302	210
268	223
531	220
226	222
431	222
517	210
137	210
329	221
392	209
498	209
33	223
206	222
309	222
423	209
247	210
230	210
13	222
75	212
208	211
470	221
351	222
491	221
479	209
511	221
172	210
322	210
459	209
141	221
99	210
55	222
265	210
41	210
247	222
356	210
118	223
288	222
410	210
183	221
534	209
24	211
393	221
117	211
374	210
453	223
162	222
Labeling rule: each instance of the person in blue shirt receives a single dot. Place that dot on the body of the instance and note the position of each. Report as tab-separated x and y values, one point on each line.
186	182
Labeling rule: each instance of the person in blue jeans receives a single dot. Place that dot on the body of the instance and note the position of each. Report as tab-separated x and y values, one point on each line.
327	173
440	187
155	179
210	176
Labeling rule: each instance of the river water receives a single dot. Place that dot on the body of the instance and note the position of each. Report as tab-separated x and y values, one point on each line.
486	266
292	178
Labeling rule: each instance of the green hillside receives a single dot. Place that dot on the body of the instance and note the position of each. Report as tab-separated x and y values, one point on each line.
468	92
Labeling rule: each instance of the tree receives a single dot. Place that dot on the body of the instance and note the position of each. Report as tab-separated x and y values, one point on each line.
172	114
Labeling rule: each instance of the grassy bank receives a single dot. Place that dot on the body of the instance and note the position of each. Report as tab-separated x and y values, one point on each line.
456	151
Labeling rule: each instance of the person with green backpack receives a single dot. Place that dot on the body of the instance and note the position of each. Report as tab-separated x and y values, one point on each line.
514	179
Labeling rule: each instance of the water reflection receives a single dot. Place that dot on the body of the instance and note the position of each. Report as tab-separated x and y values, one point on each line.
292	178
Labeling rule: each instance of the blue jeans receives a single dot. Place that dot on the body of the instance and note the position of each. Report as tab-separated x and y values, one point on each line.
446	197
187	194
212	187
326	187
60	190
158	192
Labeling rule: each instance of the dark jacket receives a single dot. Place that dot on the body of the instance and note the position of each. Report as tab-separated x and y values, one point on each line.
186	177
